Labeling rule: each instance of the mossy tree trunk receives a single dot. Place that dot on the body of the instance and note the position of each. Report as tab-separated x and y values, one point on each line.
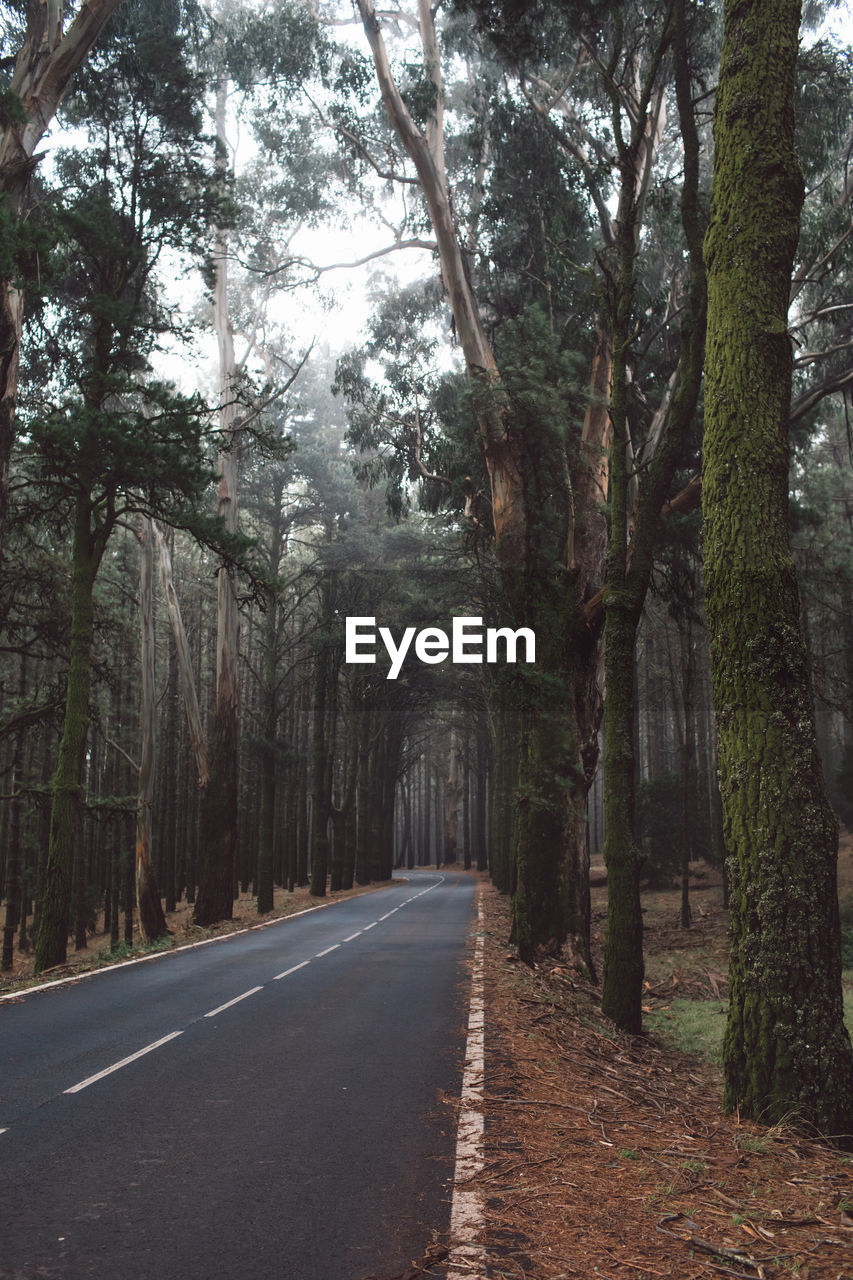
66	816
786	1051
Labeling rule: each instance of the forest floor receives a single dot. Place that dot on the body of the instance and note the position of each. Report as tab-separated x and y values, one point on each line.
608	1156
97	953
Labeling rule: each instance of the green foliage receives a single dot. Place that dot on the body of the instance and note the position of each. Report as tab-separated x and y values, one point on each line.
412	426
524	31
535	222
282	44
12	110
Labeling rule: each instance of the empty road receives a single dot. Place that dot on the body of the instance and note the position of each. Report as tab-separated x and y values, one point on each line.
268	1105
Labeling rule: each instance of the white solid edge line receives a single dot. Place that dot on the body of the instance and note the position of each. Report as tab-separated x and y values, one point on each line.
288	972
467	1257
326	952
236	1000
173	951
140	1053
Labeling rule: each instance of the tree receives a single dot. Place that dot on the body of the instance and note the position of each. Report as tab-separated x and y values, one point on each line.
786	1050
45	62
633	532
104	441
523	395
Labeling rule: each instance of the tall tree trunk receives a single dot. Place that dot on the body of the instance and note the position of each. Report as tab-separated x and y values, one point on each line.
13	871
630	559
269	716
218	824
452	796
363	798
66	817
183	658
544	591
320	748
786	1050
466	803
152	922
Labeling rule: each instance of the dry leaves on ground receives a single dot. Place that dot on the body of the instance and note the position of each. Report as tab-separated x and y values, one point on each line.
609	1157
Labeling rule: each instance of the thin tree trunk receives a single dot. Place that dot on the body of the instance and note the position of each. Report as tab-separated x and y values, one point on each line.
218	826
629	566
452	796
66	819
152	922
13	873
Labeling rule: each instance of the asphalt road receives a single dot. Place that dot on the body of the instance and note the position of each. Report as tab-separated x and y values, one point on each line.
298	1133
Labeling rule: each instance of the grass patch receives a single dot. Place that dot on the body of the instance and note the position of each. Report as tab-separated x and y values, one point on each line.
693	1026
698	1026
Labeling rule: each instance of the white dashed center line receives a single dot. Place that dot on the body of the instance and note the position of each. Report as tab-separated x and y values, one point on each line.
221	1008
84	1084
288	972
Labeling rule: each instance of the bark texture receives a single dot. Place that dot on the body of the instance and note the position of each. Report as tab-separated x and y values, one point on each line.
786	1049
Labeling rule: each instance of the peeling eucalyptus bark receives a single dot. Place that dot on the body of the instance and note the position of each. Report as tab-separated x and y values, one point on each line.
786	1053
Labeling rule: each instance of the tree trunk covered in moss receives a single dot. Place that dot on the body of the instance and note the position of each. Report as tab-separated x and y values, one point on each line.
786	1050
66	817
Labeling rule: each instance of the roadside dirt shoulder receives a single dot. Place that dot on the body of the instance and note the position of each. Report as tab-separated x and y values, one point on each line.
609	1156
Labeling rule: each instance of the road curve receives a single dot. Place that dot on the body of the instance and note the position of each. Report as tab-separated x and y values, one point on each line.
269	1105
